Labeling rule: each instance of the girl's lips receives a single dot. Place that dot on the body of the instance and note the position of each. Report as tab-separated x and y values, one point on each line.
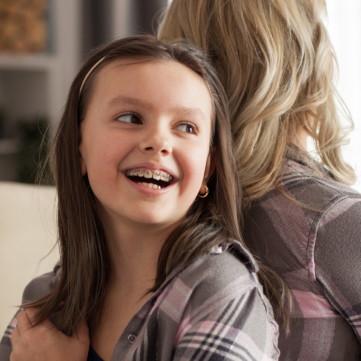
148	190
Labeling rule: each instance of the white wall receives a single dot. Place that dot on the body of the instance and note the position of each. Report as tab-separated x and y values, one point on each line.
27	235
344	25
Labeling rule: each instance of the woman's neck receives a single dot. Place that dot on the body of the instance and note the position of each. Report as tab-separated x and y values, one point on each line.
300	138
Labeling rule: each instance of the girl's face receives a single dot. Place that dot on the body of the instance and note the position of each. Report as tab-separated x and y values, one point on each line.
145	141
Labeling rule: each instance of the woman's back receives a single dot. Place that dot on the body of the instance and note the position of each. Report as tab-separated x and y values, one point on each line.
316	249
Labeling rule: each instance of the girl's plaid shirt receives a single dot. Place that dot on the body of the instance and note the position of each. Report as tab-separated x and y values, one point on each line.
214	309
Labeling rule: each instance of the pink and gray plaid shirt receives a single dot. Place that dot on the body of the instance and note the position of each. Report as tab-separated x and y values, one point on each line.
317	249
214	309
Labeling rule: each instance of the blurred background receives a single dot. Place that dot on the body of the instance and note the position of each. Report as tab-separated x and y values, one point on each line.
344	26
42	44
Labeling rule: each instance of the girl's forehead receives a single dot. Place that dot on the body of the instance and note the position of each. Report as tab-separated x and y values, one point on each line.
118	64
159	77
124	66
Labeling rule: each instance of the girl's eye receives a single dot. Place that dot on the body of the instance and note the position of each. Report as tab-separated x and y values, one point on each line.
187	128
129	118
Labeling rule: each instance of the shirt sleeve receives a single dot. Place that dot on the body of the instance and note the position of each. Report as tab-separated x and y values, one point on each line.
234	325
338	259
5	344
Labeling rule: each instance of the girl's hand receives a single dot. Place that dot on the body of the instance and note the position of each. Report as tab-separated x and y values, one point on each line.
44	342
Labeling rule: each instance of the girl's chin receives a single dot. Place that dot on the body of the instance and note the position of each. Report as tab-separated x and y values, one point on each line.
149	221
151	218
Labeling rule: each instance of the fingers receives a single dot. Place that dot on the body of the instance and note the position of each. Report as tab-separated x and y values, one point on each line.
15	335
45	342
32	312
23	321
27	319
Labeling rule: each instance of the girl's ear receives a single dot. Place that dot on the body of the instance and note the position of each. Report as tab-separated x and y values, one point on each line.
210	165
82	166
82	162
81	157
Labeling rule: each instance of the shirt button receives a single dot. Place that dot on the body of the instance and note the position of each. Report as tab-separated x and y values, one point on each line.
131	338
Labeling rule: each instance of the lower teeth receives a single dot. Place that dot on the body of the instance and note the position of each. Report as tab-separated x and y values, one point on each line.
151	185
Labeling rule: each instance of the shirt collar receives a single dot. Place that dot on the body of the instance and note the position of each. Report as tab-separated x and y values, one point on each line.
245	256
234	247
293	153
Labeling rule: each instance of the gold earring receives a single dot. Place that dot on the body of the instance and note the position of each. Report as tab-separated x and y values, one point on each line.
205	194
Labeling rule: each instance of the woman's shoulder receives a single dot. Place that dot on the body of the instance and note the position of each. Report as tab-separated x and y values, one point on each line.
305	194
293	216
311	184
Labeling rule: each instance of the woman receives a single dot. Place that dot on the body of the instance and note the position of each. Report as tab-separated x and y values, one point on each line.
276	62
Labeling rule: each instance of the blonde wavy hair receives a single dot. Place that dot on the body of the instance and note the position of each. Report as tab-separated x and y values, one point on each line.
277	64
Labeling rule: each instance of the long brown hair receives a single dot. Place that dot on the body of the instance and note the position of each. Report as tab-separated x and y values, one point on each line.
79	293
276	63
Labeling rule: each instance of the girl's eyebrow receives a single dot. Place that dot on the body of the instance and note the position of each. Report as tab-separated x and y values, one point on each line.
179	111
130	101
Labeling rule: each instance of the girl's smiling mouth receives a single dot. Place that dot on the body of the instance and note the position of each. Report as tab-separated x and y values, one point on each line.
155	179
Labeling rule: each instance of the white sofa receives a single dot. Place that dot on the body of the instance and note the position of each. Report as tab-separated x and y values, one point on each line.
27	235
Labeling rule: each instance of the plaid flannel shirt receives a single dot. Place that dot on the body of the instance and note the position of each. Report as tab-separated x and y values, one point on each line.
213	309
317	249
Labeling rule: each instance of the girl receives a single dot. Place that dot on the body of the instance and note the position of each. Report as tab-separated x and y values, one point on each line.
276	63
154	270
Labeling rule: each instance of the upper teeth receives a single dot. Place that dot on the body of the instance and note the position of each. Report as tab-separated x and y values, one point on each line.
147	173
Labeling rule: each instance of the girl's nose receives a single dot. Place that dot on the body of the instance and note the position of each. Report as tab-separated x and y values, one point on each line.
156	141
